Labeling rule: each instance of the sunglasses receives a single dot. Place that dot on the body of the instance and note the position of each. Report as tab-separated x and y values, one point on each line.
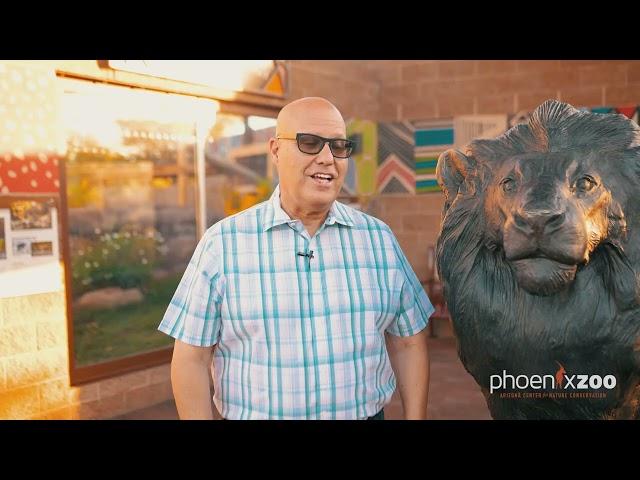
313	144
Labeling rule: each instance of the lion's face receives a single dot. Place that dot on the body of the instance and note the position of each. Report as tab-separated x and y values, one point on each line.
543	197
548	211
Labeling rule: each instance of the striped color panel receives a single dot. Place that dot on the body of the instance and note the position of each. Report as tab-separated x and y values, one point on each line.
430	143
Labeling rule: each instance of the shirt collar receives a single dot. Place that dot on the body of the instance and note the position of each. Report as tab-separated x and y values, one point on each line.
275	214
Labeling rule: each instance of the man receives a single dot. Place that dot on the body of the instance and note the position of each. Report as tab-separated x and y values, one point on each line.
302	301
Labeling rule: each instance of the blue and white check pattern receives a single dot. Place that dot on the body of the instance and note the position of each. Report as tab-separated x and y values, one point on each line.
298	337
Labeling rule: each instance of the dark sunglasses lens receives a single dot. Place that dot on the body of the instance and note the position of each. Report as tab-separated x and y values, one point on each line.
310	144
341	148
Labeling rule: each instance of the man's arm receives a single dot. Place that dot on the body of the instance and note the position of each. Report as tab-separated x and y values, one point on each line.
190	372
410	362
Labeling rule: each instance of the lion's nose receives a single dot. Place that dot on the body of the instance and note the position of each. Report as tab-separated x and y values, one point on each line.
538	221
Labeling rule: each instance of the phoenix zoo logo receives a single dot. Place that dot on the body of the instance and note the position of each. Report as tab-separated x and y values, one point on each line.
560	385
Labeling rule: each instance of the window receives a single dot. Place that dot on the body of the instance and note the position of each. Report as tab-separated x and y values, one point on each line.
144	174
132	218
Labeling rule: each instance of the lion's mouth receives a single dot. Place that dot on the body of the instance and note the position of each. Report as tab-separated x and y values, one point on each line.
541	275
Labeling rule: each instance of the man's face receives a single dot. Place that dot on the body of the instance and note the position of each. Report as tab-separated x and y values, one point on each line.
310	181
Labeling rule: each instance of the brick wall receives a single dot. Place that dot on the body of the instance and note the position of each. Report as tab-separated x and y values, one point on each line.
351	85
34	373
442	89
414	220
394	90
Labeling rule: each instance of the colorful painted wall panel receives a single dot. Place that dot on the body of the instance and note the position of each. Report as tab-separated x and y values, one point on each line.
407	152
365	157
431	139
396	164
629	112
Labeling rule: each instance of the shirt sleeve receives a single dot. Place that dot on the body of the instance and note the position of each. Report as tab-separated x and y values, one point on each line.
415	307
193	315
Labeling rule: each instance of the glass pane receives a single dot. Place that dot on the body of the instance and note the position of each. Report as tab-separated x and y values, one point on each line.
130	166
239	171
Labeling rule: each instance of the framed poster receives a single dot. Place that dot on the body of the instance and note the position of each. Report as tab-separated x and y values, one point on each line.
29	245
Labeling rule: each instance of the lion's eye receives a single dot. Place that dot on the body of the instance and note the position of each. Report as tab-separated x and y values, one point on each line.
585	184
508	184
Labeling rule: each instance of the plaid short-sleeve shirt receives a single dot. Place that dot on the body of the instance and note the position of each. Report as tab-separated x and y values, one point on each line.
298	337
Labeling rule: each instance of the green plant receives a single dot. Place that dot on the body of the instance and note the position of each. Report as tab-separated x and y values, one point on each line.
122	259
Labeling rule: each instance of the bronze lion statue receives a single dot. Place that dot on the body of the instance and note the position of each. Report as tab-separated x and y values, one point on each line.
539	255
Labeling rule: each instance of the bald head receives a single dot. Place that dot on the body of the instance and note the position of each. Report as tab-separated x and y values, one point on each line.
312	111
309	182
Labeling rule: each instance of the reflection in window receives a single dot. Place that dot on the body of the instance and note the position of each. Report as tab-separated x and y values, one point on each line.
239	173
130	167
